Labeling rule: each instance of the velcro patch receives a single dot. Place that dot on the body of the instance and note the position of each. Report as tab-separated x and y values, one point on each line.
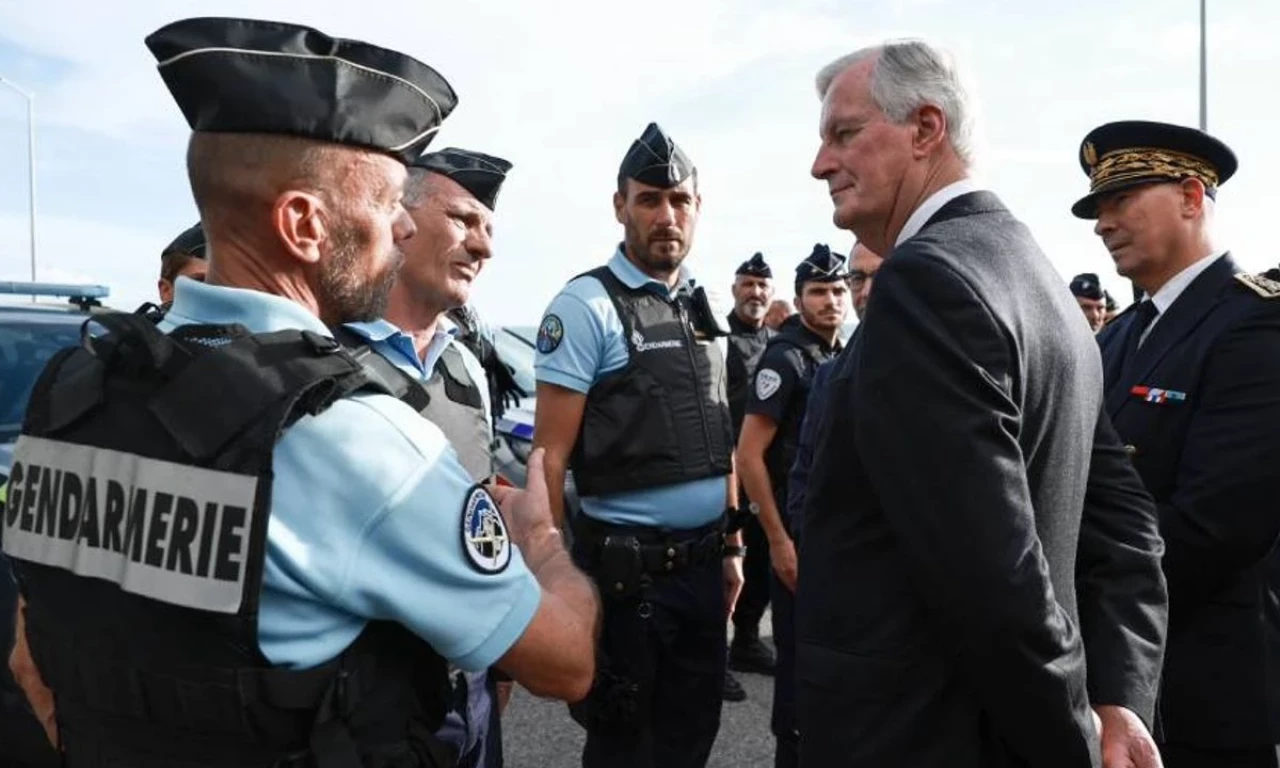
484	533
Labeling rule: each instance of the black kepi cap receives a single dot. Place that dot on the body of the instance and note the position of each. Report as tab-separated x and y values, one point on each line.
1133	152
755	267
656	160
1086	285
822	266
481	175
191	242
251	76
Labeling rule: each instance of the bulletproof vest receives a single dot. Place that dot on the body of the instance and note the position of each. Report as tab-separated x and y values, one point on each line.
746	345
806	352
663	418
450	399
136	522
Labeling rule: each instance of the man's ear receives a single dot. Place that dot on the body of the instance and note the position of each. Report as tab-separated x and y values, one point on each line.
1193	197
301	223
619	203
930	130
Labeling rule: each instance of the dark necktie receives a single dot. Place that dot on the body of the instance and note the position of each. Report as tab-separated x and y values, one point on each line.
1143	315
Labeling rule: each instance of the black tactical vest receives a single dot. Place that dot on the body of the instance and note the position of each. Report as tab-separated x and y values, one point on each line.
450	399
806	351
746	345
663	418
136	522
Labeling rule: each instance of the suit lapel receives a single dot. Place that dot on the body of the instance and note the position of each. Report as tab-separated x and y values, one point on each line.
1113	347
1179	320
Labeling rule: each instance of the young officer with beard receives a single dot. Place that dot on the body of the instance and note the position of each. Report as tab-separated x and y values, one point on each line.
451	196
767	450
748	335
631	393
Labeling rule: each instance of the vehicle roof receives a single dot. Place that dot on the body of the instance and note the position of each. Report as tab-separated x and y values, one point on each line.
44	312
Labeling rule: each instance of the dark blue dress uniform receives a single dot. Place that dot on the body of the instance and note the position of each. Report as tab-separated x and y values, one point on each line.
1193	387
781	394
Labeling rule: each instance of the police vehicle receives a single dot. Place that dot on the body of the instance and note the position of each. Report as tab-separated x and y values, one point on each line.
33	327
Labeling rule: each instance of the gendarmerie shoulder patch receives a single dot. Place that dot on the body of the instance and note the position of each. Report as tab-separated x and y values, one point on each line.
550	334
1263	286
484	533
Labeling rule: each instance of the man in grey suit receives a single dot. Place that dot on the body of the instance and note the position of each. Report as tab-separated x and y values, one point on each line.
1000	533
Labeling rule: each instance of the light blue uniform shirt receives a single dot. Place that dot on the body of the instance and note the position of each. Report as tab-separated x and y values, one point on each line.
592	346
398	348
366	519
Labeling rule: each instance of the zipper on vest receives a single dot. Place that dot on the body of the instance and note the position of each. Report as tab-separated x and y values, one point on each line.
693	364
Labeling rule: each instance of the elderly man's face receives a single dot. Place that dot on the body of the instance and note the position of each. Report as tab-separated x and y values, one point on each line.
1144	227
453	243
751	296
864	156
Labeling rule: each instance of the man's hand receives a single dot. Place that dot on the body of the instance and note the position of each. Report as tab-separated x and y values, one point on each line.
1126	743
732	583
782	553
528	512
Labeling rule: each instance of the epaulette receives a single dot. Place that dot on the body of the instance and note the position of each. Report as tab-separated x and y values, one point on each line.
1261	285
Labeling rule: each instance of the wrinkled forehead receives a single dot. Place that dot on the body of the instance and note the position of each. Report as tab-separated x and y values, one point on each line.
849	97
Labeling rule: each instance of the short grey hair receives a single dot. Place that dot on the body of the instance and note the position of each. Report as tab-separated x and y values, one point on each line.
907	75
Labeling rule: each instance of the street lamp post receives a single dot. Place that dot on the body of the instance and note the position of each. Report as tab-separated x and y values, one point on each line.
1204	71
31	164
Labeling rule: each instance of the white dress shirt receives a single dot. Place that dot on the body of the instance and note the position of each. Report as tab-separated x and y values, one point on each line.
932	204
1170	291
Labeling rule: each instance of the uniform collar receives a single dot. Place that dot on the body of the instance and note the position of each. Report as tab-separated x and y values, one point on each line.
803	333
383	330
631	276
1170	291
738	328
932	204
199	303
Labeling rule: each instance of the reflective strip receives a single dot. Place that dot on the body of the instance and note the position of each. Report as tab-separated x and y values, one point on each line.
162	530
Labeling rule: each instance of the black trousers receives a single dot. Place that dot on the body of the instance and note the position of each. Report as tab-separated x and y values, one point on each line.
783	718
1184	756
662	657
756	575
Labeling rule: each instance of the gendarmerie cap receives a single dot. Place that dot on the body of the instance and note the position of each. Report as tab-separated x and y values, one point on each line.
251	76
656	160
822	266
481	175
191	242
755	267
1134	152
1086	286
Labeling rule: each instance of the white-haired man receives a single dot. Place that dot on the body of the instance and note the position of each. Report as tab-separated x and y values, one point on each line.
942	620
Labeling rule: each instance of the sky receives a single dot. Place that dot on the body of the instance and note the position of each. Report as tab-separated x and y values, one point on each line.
561	89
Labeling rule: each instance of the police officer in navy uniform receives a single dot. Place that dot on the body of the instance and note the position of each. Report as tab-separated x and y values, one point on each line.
767	451
451	196
1193	385
184	257
631	394
748	335
234	548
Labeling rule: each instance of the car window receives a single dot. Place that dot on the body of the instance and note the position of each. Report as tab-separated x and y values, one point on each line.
516	353
25	347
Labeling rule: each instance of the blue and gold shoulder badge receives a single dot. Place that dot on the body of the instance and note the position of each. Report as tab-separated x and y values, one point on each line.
550	333
484	533
1260	284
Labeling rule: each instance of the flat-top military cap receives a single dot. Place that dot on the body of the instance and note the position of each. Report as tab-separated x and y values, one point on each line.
191	242
481	175
656	160
1086	285
755	267
250	76
1133	152
822	266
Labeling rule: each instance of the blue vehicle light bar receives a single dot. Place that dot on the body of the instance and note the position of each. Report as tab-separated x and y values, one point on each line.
70	290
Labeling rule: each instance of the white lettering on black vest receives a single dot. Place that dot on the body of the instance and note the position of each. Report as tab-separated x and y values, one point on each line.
166	531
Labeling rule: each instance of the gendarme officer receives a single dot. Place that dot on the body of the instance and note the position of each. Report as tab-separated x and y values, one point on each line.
748	335
231	551
631	395
767	450
1192	376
